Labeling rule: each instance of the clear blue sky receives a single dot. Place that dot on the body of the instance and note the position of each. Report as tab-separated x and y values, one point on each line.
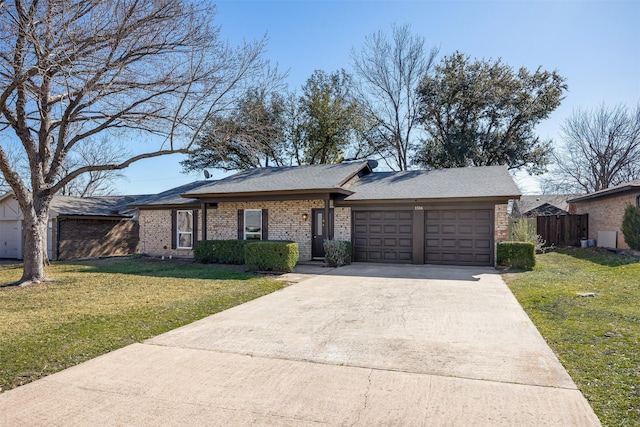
594	44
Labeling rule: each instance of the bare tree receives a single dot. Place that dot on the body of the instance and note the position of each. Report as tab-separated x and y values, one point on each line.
91	153
71	69
600	149
389	71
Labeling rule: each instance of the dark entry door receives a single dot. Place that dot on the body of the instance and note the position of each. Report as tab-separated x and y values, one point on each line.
318	232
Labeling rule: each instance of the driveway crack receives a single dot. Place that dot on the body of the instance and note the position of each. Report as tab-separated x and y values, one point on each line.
366	399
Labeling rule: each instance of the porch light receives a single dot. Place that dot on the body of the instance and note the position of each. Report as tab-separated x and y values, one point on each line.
305	216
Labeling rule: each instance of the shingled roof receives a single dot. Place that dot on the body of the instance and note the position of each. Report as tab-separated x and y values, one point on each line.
542	204
456	183
308	178
627	186
172	196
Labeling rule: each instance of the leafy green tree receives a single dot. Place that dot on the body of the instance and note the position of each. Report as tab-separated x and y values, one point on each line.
481	113
331	117
631	227
250	135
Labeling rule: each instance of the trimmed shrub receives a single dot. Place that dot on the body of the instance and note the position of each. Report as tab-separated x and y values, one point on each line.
271	255
631	227
337	252
220	251
516	254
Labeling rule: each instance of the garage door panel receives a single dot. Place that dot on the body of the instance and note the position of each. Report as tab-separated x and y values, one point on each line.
483	244
383	236
448	229
483	259
375	216
466	215
390	242
483	229
459	237
405	243
390	229
483	215
376	242
432	229
466	244
465	229
432	215
405	229
448	215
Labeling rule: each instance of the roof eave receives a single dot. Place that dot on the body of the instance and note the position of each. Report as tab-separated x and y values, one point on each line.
604	193
421	201
249	194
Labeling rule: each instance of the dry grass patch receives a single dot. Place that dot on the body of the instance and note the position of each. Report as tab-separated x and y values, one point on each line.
94	307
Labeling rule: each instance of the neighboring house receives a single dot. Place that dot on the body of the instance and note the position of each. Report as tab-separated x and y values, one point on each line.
606	211
449	216
79	227
542	205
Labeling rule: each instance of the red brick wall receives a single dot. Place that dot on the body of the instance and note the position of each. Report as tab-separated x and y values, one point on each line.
84	238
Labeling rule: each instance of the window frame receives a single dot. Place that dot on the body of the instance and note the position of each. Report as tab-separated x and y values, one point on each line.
180	232
251	233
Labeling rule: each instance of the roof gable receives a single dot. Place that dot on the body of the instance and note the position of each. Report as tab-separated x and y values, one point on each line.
542	204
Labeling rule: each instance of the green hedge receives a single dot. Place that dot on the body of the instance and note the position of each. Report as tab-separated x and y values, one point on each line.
516	254
337	252
220	251
271	255
631	227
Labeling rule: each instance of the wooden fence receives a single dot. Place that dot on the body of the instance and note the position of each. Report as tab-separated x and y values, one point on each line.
563	230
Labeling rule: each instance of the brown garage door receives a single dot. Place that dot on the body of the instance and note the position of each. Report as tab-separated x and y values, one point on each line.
383	236
459	237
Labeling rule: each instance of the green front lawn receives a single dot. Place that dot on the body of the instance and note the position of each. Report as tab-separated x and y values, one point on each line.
597	338
94	307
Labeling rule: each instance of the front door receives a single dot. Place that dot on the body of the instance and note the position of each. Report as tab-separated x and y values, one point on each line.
318	232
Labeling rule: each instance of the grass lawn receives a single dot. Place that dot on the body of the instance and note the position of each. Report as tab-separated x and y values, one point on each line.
94	307
597	338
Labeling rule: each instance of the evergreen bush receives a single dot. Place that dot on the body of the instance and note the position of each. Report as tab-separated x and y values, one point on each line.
220	251
271	255
337	252
516	254
631	227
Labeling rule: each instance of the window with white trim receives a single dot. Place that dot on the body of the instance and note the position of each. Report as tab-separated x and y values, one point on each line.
253	224
184	229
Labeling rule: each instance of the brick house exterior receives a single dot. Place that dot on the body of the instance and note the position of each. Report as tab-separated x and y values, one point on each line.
454	216
606	209
79	227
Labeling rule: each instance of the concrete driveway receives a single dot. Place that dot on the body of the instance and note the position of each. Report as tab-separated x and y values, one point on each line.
359	345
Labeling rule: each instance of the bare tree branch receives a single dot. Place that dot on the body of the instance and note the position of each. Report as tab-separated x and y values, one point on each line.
73	69
600	149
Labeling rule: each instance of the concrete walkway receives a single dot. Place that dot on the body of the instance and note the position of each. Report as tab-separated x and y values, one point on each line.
359	345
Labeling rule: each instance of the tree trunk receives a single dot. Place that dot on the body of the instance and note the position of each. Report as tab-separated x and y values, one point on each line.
35	236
